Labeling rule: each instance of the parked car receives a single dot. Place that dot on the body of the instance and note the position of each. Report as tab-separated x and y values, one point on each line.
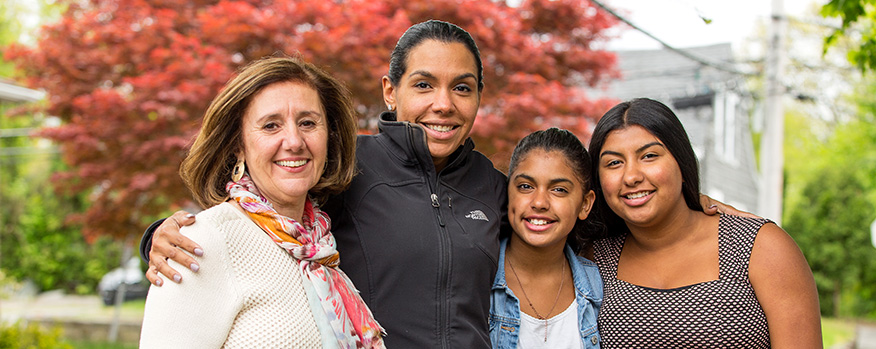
136	284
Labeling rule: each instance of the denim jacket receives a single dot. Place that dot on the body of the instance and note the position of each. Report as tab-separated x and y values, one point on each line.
505	307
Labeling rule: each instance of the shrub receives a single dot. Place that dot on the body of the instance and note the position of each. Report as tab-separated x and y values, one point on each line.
31	336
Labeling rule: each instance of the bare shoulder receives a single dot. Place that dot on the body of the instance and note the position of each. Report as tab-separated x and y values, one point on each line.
773	247
785	288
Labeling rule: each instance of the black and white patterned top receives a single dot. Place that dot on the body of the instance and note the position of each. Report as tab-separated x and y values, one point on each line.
722	313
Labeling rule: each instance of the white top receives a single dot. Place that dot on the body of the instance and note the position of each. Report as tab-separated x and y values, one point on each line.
247	294
562	330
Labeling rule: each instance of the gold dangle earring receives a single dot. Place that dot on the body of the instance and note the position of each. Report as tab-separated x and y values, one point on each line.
239	169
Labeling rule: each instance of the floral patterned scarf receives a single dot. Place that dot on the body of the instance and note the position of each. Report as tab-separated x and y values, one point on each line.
313	245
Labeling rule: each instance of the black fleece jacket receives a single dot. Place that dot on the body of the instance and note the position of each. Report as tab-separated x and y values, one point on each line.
422	247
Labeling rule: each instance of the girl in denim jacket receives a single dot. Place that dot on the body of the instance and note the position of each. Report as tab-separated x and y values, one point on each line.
544	294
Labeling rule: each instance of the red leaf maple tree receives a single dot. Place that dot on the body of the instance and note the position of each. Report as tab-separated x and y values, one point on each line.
131	79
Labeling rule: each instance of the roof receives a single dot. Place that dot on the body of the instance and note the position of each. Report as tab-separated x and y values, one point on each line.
14	93
666	75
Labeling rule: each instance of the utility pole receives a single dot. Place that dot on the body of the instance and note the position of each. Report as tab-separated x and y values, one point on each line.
771	154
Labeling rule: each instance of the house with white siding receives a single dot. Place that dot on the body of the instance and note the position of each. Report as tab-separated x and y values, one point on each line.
712	104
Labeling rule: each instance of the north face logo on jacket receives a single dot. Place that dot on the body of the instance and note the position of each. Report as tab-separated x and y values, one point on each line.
477	215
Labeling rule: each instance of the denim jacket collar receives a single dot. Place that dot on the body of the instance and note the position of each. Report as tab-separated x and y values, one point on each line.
505	306
499	282
580	276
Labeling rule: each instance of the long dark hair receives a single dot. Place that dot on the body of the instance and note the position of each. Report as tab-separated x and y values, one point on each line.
660	121
435	30
565	142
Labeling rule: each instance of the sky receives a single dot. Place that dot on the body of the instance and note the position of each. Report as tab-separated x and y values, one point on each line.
680	23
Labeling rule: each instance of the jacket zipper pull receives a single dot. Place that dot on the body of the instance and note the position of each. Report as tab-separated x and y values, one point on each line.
435	204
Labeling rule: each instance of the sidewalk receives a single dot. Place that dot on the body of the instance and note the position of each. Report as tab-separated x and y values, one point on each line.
57	305
865	336
80	317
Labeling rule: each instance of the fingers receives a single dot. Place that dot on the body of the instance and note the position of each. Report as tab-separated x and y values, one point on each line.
153	277
179	219
711	210
727	209
158	265
713	207
183	218
710	206
166	244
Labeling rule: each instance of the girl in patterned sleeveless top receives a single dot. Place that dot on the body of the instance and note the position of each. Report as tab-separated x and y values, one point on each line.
544	294
673	276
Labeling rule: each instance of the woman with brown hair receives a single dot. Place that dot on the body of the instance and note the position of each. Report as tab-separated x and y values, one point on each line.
274	144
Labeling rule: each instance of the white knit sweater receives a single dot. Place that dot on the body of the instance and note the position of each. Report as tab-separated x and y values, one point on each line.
247	294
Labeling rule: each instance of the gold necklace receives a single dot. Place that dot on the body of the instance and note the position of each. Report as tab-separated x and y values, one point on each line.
562	283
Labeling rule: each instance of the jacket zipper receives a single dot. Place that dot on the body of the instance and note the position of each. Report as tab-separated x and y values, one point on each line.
444	252
445	262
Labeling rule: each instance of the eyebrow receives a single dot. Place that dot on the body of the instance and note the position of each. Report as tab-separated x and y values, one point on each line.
297	115
429	75
552	181
646	146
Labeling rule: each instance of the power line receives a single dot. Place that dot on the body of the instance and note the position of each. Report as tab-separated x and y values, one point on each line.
684	53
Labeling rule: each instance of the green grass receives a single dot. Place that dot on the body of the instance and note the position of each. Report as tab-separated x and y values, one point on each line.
136	305
837	331
131	311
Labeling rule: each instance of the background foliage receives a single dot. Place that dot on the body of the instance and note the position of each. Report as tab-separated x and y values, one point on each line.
831	168
37	240
30	336
859	20
131	79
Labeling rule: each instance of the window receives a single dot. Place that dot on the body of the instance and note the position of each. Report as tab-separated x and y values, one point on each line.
725	125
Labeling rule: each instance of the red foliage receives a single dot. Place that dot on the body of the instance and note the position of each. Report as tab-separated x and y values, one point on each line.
131	79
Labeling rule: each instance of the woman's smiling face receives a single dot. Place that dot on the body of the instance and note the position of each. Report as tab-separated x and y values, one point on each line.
285	143
640	179
546	199
438	91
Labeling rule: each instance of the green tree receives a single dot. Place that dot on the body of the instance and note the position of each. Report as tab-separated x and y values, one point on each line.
833	228
37	240
832	201
859	22
18	19
9	30
829	138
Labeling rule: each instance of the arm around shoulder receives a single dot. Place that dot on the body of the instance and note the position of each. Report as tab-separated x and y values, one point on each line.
146	240
785	288
200	311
